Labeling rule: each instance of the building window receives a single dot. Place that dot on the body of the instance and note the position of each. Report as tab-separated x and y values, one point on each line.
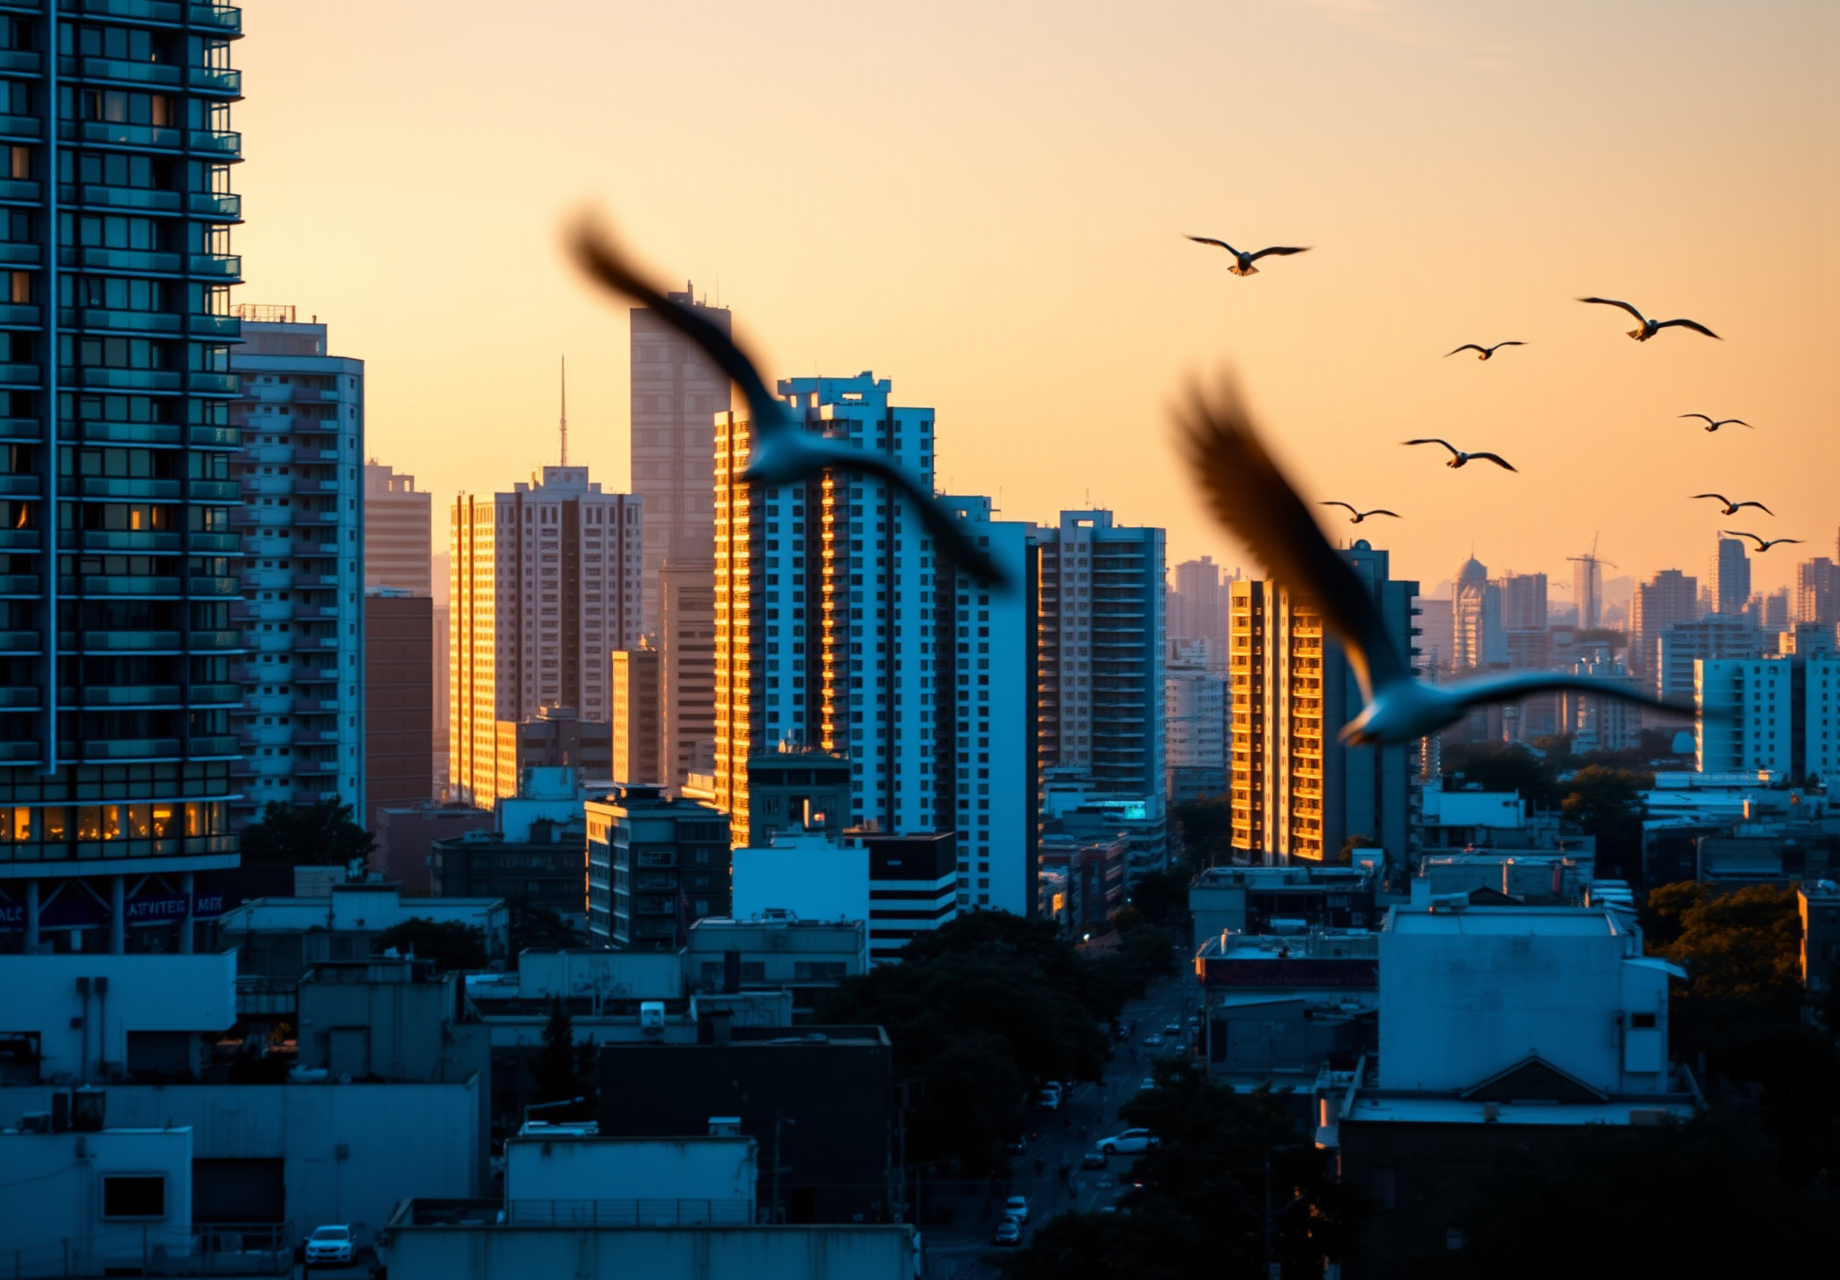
134	1195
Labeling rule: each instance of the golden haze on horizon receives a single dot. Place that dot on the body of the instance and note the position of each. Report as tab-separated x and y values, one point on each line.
987	204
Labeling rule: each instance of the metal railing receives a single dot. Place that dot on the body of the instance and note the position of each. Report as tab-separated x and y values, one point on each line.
629	1213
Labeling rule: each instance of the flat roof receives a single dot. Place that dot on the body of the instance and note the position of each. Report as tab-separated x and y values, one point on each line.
1421	1109
1547	921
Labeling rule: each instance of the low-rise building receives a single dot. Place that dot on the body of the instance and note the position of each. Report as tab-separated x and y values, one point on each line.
1819	904
1260	899
1089	874
655	864
820	1104
1502	1031
536	852
406	837
96	1201
775	950
900	886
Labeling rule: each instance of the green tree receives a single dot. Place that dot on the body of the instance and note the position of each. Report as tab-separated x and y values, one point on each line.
1198	1206
449	943
556	1063
1206	830
1161	897
1607	803
1741	949
314	835
534	928
1508	768
979	1012
1149	951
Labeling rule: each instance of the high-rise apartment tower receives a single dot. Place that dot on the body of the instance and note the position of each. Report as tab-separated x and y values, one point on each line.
398	523
302	520
1731	576
1668	598
118	563
545	586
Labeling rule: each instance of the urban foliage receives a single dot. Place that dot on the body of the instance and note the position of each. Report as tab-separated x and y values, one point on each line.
312	835
1200	1206
1205	829
535	928
449	943
980	1012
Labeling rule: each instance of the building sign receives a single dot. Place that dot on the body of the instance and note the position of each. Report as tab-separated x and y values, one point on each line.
71	910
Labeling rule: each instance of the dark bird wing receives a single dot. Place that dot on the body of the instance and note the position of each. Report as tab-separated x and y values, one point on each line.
1739	422
1721	497
601	260
1612	302
1497	459
1338	504
1694	325
1468	346
1519	684
1739	533
1252	498
1702	417
1219	243
1508	344
1282	251
1454	451
605	263
949	537
1381	511
1739	506
1763	546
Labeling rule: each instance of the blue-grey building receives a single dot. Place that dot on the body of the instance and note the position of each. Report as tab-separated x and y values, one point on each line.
118	562
301	418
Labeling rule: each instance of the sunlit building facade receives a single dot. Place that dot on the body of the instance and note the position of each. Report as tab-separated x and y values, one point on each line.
544	586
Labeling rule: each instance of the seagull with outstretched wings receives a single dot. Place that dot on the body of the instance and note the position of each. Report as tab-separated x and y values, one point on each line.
784	451
1458	458
1732	508
1763	544
1651	327
1256	503
1713	424
1486	351
1242	262
1362	515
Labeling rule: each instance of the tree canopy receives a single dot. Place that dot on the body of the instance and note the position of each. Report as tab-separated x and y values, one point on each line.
1607	803
449	943
980	1012
1199	1208
1206	830
314	835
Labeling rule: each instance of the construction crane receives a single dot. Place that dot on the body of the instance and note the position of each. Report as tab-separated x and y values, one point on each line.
1588	586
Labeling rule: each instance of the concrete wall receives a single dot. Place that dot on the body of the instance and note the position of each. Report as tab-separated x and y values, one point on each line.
810	876
1480	990
657	1253
147	993
689	1168
351	1151
52	1205
613	975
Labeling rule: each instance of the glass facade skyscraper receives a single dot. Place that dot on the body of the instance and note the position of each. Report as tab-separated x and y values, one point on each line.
118	565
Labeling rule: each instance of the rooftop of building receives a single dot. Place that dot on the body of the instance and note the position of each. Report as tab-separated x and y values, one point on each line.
791	1037
1453	917
1296	875
1301	943
1377	1107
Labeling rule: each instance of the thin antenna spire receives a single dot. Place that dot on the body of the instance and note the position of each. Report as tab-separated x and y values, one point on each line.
565	411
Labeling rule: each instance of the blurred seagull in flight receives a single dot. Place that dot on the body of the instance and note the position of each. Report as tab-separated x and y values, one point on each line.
1486	351
1254	501
1763	544
1651	327
1362	515
1732	508
783	451
1242	262
1459	458
1713	424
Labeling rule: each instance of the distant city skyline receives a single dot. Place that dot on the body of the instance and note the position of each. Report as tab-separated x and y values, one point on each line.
985	316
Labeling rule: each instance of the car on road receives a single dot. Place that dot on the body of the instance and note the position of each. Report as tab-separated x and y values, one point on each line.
1009	1231
1172	1029
1121	1033
1048	1100
1154	1040
1146	1084
1016	1207
1094	1159
1016	1146
1129	1142
330	1244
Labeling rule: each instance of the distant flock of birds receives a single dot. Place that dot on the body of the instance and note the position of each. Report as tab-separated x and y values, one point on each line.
1248	493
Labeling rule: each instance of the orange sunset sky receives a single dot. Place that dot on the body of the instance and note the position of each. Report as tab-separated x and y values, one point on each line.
985	202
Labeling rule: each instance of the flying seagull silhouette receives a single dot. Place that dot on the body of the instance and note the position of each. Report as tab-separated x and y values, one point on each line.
1763	544
1362	515
1713	424
1254	501
1459	458
1651	327
1732	508
1242	262
784	452
1486	351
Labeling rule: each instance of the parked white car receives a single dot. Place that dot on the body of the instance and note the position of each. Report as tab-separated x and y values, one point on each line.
330	1245
1129	1142
1016	1207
